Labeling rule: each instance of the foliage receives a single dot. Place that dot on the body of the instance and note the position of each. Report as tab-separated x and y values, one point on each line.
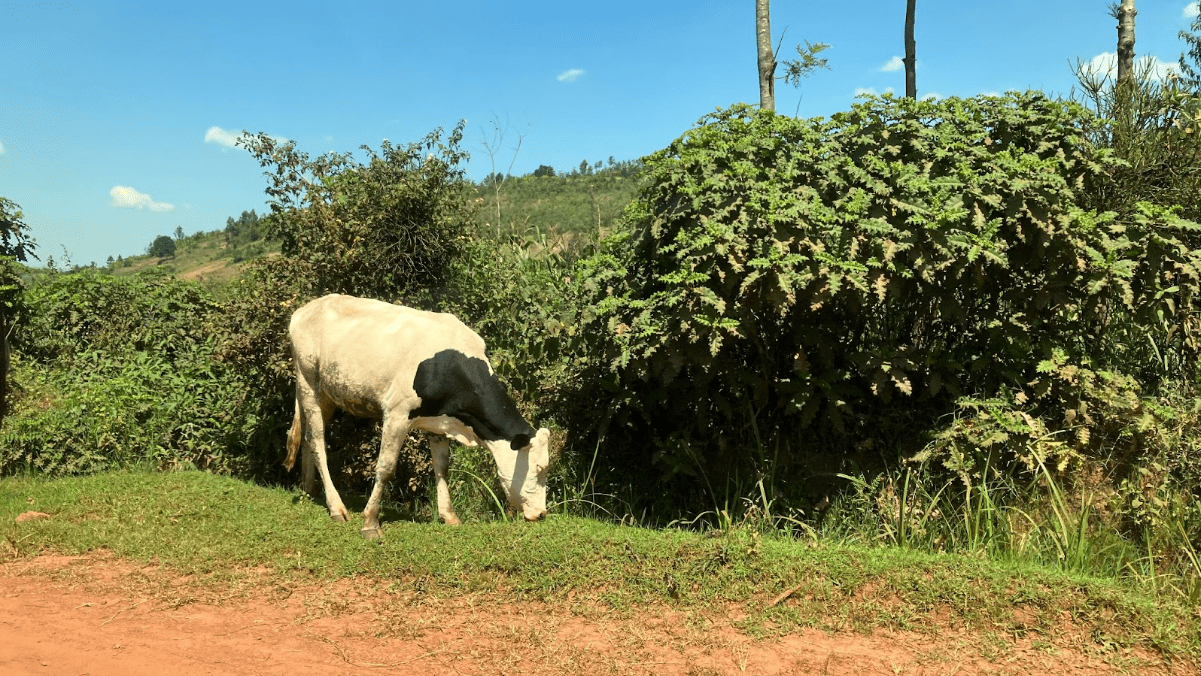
245	237
1190	60
119	370
807	62
1152	126
15	241
162	247
790	292
379	229
16	247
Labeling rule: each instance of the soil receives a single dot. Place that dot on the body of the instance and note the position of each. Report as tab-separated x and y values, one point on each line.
99	616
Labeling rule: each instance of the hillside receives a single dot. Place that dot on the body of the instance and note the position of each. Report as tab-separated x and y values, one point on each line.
575	205
205	257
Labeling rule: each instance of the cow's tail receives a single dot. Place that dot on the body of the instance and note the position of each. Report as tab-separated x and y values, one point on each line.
294	438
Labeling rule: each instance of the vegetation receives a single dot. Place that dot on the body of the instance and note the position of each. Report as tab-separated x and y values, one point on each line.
576	205
789	296
964	326
114	371
16	247
162	247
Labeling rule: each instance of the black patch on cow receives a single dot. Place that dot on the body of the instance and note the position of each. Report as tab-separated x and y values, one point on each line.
451	383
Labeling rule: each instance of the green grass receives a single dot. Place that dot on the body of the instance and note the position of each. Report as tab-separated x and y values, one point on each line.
217	528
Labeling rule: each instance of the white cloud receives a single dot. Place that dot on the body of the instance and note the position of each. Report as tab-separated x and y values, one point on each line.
1190	11
894	64
125	197
1	148
1106	63
862	91
932	96
570	75
221	136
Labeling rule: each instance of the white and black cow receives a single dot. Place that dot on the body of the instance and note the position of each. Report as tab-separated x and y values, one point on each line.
415	370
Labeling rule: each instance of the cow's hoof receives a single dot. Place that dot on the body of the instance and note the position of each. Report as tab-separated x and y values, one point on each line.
372	533
452	520
340	517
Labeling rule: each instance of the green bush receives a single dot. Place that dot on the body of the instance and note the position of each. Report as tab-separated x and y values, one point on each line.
119	370
790	295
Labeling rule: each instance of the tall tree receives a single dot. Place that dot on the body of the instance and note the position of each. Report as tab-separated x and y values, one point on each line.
1125	15
910	51
767	59
795	70
16	246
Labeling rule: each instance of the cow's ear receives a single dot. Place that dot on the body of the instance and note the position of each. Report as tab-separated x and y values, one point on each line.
520	441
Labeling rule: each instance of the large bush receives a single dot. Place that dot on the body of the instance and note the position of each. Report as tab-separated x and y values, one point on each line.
788	292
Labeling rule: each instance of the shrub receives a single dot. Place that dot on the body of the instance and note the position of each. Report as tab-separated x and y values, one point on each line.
119	370
791	292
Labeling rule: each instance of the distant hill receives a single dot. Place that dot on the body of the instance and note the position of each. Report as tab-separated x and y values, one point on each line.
205	256
574	205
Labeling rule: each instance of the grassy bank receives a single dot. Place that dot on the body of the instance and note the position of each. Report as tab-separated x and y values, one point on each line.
217	528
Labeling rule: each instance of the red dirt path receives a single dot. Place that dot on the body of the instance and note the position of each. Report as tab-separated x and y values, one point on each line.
99	616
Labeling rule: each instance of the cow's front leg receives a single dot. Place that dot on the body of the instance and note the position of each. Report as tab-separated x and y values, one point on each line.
395	431
440	454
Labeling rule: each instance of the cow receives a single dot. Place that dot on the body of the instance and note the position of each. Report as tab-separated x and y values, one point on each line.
415	370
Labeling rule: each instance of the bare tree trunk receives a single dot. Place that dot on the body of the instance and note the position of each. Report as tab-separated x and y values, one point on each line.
910	51
1126	14
767	60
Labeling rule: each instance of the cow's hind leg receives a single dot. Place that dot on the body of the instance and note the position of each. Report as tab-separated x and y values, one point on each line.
440	454
317	412
395	430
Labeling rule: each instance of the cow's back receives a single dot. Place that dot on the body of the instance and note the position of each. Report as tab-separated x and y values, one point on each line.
363	353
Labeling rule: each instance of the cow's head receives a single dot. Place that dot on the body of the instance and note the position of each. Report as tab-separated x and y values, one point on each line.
522	465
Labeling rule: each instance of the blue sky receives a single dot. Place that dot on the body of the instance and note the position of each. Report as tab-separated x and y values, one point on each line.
115	118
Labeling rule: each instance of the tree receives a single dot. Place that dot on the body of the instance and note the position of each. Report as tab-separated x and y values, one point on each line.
248	228
1125	13
910	51
767	59
178	233
1190	70
389	227
795	69
493	146
162	247
544	170
16	246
